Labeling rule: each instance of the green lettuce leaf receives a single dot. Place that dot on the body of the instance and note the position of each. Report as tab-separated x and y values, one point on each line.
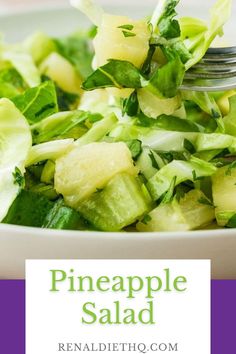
183	171
116	73
15	143
167	79
49	151
77	50
121	74
23	63
220	14
163	18
60	124
38	102
230	119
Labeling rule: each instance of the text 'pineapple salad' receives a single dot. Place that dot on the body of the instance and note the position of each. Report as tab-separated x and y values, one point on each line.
96	134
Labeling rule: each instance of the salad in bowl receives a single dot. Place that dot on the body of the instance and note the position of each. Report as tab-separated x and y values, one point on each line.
97	134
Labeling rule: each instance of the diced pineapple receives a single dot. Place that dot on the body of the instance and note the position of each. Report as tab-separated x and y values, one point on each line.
192	212
224	193
113	42
62	72
89	168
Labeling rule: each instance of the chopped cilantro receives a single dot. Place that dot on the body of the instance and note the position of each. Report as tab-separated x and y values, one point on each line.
18	178
170	193
230	168
146	219
127	27
205	201
128	34
153	160
189	146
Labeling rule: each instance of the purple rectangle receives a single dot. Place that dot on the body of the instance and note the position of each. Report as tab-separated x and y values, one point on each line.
223	316
12	316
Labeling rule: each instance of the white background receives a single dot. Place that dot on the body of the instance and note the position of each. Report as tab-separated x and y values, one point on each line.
56	317
9	5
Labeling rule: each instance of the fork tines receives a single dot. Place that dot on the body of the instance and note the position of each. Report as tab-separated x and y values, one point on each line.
216	71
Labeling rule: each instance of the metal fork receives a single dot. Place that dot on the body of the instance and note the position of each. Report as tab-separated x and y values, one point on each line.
215	72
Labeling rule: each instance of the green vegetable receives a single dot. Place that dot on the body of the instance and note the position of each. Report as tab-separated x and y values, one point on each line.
15	143
29	209
60	124
167	80
113	133
78	51
23	63
224	191
118	205
207	142
135	147
230	119
38	102
149	163
128	34
63	218
220	14
49	151
48	172
11	83
122	74
98	131
163	18
182	170
116	73
66	100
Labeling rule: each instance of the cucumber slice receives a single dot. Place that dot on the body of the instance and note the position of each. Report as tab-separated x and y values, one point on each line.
120	204
192	212
224	194
63	218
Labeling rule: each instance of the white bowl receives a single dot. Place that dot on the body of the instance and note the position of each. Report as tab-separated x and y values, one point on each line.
20	243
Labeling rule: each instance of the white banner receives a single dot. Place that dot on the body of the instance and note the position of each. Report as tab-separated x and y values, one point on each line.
139	306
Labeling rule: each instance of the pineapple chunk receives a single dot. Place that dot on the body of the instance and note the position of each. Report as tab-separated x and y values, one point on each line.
224	193
62	72
111	43
86	169
187	214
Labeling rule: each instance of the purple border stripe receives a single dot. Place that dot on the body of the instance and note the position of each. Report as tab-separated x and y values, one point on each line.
12	317
223	316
